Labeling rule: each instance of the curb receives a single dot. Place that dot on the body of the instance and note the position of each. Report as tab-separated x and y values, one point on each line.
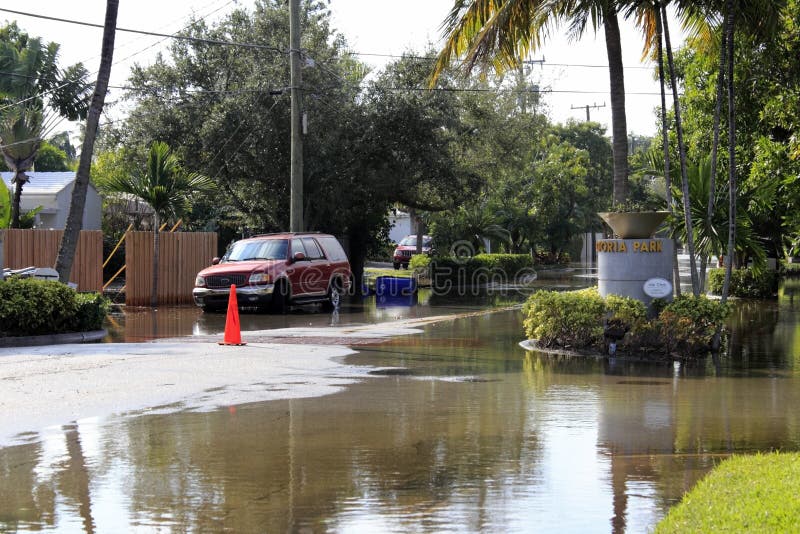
53	339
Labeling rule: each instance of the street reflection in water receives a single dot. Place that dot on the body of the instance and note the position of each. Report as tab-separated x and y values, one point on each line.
475	435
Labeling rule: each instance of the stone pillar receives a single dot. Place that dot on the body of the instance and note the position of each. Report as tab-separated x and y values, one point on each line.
624	265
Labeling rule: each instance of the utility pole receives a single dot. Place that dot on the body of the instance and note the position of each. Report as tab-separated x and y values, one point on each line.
522	84
587	106
296	172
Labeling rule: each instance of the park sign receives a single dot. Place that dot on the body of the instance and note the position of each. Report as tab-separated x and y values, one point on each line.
658	288
639	268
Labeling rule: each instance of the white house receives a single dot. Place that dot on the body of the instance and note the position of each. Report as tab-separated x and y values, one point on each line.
401	225
53	191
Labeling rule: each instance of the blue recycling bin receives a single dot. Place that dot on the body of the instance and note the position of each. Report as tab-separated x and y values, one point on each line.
395	286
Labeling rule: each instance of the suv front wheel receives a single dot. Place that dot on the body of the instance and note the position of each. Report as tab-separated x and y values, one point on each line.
334	299
280	297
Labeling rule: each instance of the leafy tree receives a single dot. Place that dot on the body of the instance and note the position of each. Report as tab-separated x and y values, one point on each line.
501	34
367	145
62	141
164	186
51	158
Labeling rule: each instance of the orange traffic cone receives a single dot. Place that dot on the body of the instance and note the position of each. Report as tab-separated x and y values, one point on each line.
233	334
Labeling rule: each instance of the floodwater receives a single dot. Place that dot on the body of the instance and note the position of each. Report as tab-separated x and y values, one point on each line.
143	324
457	430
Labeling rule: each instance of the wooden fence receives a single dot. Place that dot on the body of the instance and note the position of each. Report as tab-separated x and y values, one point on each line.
39	248
181	256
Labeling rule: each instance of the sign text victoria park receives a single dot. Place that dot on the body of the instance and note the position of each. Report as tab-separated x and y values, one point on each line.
647	245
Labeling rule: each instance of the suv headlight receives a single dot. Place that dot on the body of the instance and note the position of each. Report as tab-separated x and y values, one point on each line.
259	278
200	282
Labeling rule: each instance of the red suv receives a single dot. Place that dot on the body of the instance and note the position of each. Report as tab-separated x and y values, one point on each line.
271	271
408	247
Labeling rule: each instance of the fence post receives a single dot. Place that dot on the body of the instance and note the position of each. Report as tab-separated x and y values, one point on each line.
2	246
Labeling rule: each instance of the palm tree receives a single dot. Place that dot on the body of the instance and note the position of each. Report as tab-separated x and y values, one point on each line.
649	19
687	213
502	32
72	228
165	187
29	79
758	19
21	135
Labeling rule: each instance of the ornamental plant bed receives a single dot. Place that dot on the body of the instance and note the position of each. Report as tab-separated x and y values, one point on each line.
30	307
583	320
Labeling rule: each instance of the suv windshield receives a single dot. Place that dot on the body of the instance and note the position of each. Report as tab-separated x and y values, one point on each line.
411	241
265	249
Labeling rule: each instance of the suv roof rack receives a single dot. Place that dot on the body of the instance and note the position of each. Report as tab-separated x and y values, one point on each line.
284	233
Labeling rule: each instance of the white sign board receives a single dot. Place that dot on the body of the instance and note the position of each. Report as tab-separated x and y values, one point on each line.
657	288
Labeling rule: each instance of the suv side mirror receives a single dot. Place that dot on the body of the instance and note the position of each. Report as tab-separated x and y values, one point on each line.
298	256
215	261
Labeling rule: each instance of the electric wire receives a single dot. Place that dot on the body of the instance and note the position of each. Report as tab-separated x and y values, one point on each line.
145	32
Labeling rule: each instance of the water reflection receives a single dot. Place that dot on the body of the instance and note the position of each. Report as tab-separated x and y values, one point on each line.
478	435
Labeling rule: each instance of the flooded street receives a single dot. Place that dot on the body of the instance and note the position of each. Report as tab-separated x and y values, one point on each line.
456	429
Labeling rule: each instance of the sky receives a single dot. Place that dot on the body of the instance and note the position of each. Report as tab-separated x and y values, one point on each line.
575	73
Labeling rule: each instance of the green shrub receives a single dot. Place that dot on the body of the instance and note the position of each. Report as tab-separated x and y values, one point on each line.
510	264
480	269
571	319
92	309
34	307
582	319
688	323
628	315
419	263
626	309
745	283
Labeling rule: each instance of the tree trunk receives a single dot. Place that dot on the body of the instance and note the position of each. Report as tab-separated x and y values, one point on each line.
619	125
676	275
712	184
358	254
687	214
156	239
69	242
732	194
15	202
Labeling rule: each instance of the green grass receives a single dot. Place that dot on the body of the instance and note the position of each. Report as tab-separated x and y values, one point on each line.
373	272
742	494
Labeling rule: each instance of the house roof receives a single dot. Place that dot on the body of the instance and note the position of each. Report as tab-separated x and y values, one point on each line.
43	183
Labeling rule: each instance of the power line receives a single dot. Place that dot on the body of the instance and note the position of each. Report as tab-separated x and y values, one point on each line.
144	32
67	82
538	62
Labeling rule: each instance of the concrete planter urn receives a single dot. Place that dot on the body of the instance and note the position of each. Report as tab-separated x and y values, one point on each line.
634	225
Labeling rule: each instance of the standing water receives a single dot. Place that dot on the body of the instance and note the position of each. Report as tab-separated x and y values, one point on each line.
457	429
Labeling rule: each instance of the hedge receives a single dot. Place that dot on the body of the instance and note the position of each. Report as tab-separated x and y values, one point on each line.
481	269
745	283
30	307
584	320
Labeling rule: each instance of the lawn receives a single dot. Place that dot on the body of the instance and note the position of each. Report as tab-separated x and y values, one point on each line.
743	494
